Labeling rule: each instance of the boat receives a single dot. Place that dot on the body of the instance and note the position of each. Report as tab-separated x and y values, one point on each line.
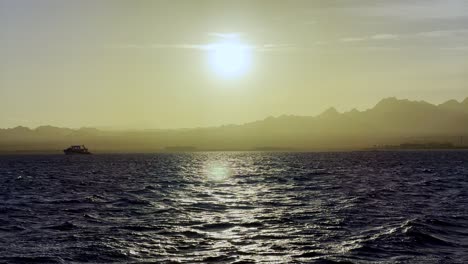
76	150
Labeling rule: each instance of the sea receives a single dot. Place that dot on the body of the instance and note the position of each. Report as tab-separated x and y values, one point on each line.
235	207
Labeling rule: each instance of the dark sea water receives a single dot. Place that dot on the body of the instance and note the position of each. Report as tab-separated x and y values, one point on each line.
234	207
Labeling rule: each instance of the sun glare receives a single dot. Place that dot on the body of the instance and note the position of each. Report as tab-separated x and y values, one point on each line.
217	171
230	58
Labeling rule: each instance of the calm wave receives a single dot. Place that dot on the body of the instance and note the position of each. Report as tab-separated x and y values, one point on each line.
361	207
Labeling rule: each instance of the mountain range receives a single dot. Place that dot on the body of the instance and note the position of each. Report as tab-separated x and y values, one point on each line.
390	121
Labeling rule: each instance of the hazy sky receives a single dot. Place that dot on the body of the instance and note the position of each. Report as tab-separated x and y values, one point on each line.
144	64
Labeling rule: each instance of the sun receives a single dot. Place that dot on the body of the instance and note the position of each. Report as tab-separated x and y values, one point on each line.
230	58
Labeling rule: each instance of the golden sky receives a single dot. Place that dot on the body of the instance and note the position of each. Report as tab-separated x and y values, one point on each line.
149	64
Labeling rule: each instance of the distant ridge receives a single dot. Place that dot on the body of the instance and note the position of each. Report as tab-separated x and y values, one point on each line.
390	121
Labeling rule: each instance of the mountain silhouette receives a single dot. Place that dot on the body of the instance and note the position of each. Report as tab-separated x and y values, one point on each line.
454	105
390	121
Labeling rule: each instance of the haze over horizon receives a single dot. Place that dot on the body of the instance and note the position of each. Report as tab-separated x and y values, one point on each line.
169	64
390	122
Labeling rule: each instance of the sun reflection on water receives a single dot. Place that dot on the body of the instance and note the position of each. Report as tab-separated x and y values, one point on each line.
229	210
217	171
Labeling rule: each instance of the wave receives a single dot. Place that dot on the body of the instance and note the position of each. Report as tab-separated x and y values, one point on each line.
67	226
216	227
412	237
139	228
38	259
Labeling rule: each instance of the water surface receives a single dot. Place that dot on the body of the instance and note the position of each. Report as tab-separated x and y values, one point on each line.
235	207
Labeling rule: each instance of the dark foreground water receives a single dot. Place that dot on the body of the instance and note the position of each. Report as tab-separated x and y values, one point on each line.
362	207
